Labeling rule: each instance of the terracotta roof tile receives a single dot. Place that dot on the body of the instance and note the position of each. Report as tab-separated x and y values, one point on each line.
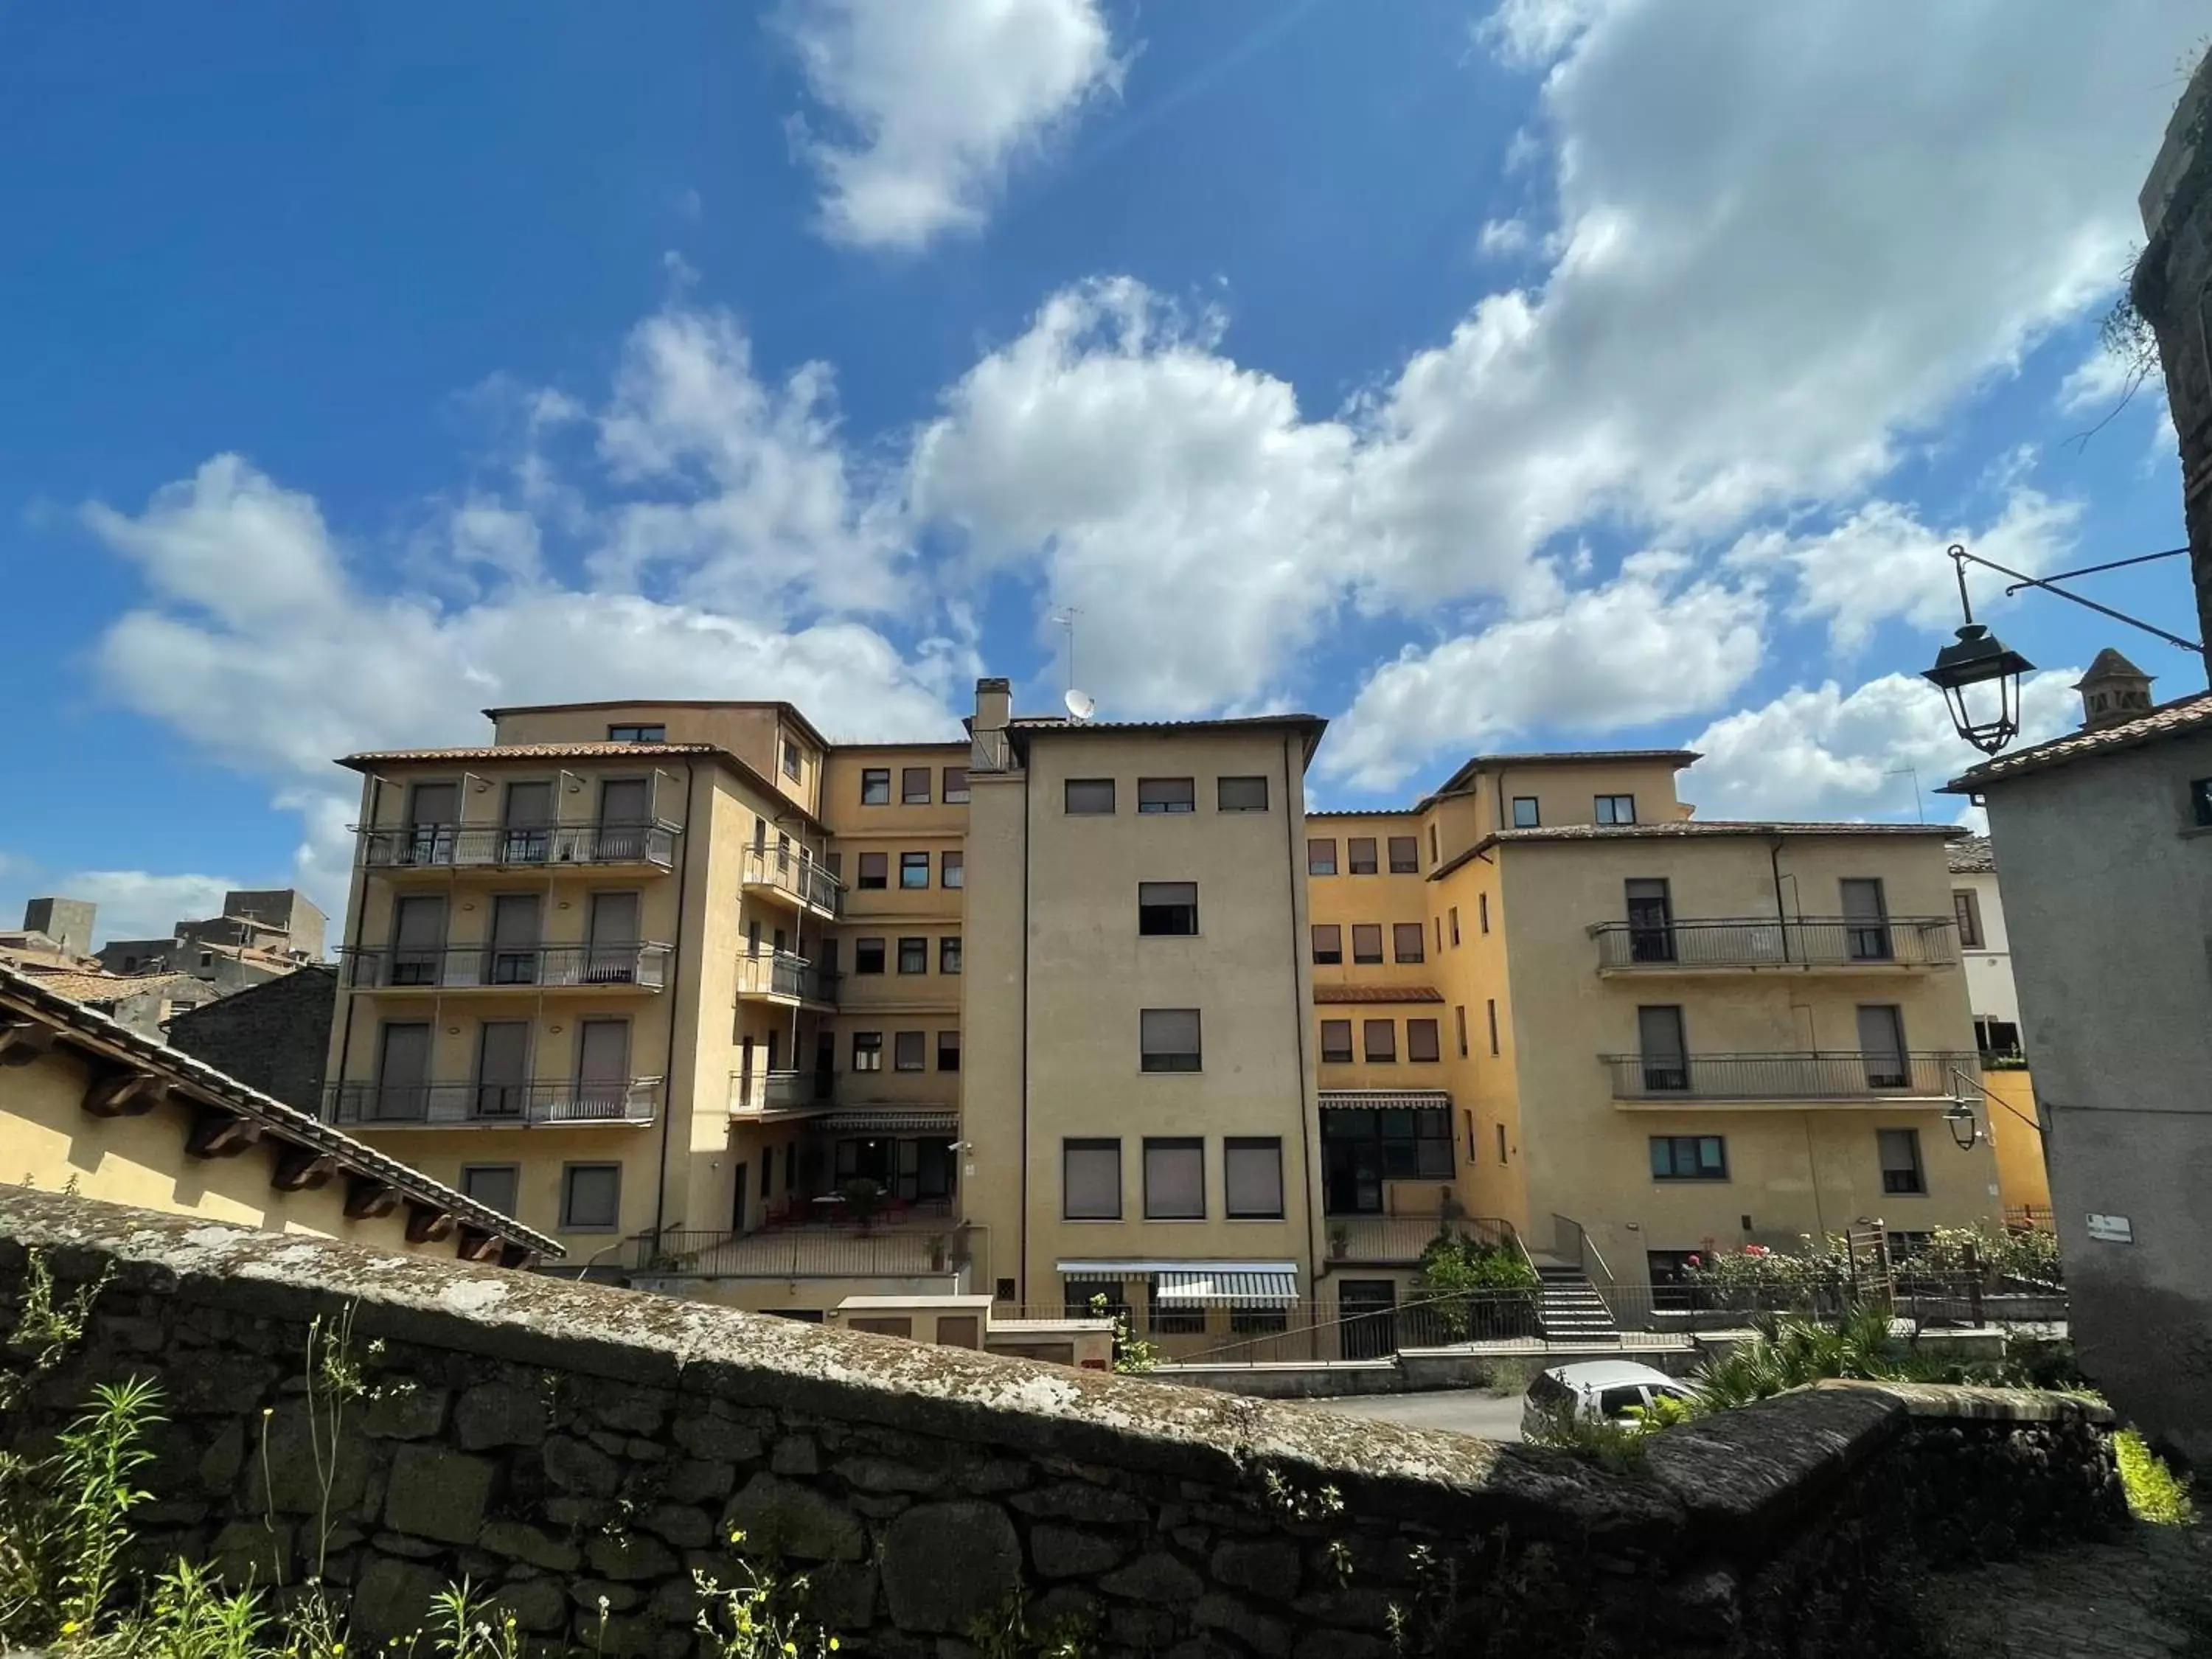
1973	856
528	752
2178	718
1377	994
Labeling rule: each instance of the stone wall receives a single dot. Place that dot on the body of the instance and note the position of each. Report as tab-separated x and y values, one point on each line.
580	1449
274	1036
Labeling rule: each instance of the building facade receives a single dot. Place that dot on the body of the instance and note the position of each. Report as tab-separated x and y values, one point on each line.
2015	1123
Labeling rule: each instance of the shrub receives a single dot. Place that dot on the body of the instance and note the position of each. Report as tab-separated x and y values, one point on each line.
1477	1288
2154	1494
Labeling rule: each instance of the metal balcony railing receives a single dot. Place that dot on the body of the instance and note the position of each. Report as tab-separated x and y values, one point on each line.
481	967
1838	1075
1401	1239
1764	942
778	1092
491	846
784	974
373	1105
905	1248
796	873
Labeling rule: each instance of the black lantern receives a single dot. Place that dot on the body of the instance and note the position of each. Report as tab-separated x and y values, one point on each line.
1987	717
1959	1118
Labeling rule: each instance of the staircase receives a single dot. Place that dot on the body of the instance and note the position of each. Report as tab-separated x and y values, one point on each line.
1569	1308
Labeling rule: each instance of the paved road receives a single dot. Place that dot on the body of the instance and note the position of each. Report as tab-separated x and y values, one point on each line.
1469	1411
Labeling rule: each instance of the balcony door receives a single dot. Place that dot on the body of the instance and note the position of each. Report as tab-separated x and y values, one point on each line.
1866	922
1881	1046
503	1068
433	812
418	941
512	958
625	814
1666	1056
527	826
1651	922
402	1072
603	1068
613	955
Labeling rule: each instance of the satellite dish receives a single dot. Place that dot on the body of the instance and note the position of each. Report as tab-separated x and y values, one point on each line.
1081	704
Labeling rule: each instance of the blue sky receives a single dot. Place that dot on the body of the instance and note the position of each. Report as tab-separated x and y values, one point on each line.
1562	372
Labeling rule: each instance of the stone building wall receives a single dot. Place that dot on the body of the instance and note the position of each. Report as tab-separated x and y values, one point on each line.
583	1451
272	1036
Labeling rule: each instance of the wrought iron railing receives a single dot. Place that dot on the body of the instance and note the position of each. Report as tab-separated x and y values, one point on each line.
1763	942
783	974
778	1092
462	846
797	873
1841	1075
568	1100
1403	1238
485	966
903	1248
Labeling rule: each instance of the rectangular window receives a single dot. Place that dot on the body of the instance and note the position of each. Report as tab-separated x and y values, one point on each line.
1327	944
1650	919
1379	1042
1367	941
1459	1028
1089	794
1168	1039
875	870
1397	1144
1455	925
590	1198
1405	855
867	956
876	786
1659	1041
948	1051
1336	1042
1501	1142
1616	809
768	1171
1433	844
1491	1008
1166	795
1481	913
1258	1322
1175	1178
790	766
948	953
1407	944
1997	1039
955	786
1167	907
1882	1046
1866	921
909	1050
1359	856
951	869
1320	857
1252	1178
914	786
913	871
1966	906
1689	1158
1899	1150
1439	922
1525	816
2200	802
1090	1179
867	1051
1241	794
494	1186
637	734
913	955
1421	1040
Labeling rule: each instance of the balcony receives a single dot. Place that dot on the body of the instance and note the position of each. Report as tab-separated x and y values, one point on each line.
516	968
435	847
491	1105
1399	1240
770	1094
1844	1075
917	1243
795	878
788	980
1757	942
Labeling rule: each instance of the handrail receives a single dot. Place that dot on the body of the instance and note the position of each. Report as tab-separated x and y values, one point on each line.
796	871
784	974
501	967
1805	1074
475	1101
455	845
1776	941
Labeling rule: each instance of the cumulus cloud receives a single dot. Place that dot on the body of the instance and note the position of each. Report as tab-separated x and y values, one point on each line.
929	107
133	903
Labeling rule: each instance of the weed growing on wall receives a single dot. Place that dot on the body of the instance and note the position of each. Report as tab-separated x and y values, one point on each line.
2154	1494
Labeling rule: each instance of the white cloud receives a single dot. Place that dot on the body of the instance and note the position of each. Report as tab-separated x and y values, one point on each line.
1503	239
137	904
1531	33
931	106
2103	380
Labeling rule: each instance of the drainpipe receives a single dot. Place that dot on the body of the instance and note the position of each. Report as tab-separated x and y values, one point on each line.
1298	1025
1781	920
675	995
1022	1251
350	957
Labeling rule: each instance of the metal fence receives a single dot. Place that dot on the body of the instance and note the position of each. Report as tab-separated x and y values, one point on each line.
491	1105
1837	1075
476	967
784	974
1401	1239
491	846
797	874
908	1249
1765	942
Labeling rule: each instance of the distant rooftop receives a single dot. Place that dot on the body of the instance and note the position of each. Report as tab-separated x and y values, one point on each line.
1973	856
2180	718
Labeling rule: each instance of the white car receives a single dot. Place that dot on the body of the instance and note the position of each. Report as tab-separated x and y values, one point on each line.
1604	1389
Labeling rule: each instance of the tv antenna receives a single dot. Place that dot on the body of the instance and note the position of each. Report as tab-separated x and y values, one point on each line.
1919	806
1081	705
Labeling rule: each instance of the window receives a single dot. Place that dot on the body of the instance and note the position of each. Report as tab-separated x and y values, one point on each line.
1616	809
1997	1039
1258	1322
2200	802
867	1051
876	786
768	1171
1659	1041
1336	1042
1166	795
914	786
590	1198
1432	843
909	1050
1252	1178
1899	1150
1967	907
1089	794
1459	1027
948	1051
1439	922
834	864
1406	1143
1405	942
951	869
1501	1142
1379	1042
1491	1008
948	953
1650	919
1468	1118
207	958
1359	856
954	784
875	870
913	871
1175	1178
1404	856
495	1186
791	765
1421	1040
1241	794
913	956
637	734
1882	1046
1525	816
1481	914
1689	1158
1168	1038
1327	944
1090	1181
867	956
1866	922
1167	907
1455	925
1367	941
1320	857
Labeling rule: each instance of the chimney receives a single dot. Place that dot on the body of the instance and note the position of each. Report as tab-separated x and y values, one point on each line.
994	704
2114	690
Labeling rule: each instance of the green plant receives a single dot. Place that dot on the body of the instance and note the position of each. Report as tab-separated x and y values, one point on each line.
2154	1494
760	1617
1616	1446
1005	1632
468	1627
45	1329
1813	1276
1133	1354
863	1199
194	1618
64	1518
1340	1241
1477	1288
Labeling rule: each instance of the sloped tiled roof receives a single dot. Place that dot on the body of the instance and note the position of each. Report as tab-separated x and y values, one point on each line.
1377	994
506	751
92	988
1693	829
2177	719
1973	856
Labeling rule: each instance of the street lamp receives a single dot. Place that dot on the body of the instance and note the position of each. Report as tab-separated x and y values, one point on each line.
1966	1128
1988	719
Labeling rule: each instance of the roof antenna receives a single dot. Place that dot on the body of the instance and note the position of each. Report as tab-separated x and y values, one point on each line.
1081	705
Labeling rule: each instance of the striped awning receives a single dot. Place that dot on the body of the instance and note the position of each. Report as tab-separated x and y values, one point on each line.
1382	1100
892	1121
1255	1284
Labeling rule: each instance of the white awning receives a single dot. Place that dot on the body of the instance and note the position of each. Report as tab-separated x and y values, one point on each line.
1381	1100
892	1119
1253	1284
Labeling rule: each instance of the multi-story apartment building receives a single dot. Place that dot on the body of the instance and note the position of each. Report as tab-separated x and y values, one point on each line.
2015	1122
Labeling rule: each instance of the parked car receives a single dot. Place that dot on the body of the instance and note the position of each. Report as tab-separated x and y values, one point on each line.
1607	1388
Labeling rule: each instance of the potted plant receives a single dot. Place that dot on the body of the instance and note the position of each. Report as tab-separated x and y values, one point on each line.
1340	1241
937	1253
863	1200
